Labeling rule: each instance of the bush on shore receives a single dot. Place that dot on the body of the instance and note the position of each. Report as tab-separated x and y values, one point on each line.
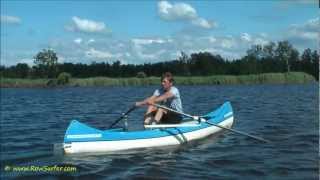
63	78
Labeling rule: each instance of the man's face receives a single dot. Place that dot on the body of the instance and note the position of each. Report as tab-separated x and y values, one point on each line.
166	84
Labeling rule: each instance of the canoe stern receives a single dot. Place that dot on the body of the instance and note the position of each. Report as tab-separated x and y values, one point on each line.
78	130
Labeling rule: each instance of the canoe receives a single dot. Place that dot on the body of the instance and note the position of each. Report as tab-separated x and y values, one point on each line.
81	138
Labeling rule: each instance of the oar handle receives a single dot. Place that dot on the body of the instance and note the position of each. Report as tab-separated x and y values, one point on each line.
172	110
123	115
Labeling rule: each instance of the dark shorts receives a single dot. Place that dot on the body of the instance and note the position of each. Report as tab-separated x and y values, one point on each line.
171	118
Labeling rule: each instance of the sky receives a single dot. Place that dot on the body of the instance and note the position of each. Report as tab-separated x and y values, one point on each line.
148	31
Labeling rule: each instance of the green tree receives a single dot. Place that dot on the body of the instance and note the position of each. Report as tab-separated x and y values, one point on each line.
256	52
269	50
2	71
184	62
295	60
306	55
284	52
46	63
310	62
306	61
202	64
315	64
22	70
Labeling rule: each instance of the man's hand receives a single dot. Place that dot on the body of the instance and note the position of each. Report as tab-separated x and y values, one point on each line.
138	104
147	102
150	102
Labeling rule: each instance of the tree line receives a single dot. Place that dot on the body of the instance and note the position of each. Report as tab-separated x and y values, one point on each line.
272	57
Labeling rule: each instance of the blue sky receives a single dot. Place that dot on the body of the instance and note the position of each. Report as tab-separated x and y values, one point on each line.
151	31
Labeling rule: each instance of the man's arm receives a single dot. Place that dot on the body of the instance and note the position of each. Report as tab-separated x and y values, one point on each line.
155	99
163	97
146	101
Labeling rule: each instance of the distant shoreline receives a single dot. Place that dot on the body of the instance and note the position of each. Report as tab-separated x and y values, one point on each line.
265	78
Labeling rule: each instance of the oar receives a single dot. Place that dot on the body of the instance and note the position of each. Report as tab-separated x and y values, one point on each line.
121	117
204	120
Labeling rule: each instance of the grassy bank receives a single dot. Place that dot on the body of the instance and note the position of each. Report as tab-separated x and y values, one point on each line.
267	78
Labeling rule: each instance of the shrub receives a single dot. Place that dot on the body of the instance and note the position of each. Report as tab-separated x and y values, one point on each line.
52	83
141	74
64	78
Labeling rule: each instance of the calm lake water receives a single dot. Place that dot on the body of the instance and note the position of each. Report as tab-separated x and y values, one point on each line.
33	123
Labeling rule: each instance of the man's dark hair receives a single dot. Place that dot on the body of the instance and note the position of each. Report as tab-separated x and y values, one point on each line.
167	75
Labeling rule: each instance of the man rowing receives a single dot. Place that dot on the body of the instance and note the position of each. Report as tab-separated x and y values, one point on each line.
167	95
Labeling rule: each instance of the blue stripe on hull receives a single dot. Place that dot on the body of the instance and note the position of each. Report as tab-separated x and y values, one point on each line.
79	132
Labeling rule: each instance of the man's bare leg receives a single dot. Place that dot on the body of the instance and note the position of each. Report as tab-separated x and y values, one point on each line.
149	114
159	115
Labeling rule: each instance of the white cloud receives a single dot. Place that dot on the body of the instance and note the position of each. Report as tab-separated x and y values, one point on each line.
28	61
91	41
139	47
306	31
120	45
77	41
93	53
261	41
145	41
246	37
227	43
127	54
163	8
175	54
61	59
313	24
87	26
187	44
151	56
264	35
203	23
211	39
182	12
304	35
247	40
178	11
10	19
169	40
309	35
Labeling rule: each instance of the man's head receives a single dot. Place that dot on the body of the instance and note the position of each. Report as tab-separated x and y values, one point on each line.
167	80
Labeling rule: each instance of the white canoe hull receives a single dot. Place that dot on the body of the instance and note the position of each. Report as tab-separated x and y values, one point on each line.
109	146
